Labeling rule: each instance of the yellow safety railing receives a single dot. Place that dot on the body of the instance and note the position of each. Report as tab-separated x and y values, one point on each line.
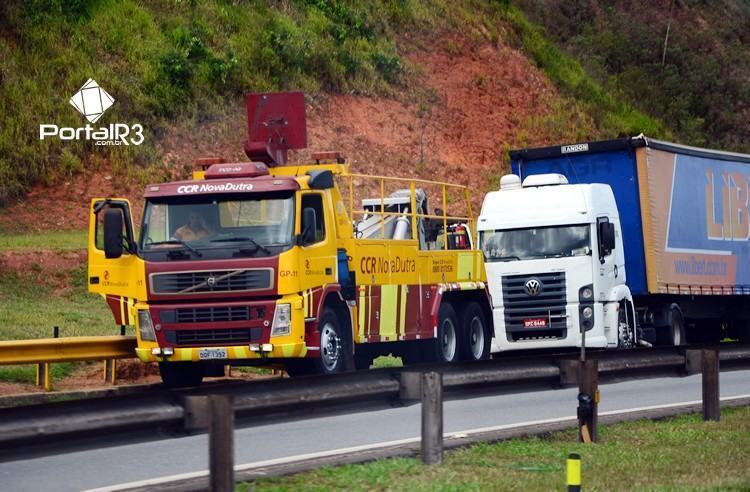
412	209
44	351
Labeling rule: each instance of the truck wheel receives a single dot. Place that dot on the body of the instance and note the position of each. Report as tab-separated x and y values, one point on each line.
476	341
181	374
333	345
447	342
674	333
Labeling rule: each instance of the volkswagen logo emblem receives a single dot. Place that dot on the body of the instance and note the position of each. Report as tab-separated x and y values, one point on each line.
532	286
211	281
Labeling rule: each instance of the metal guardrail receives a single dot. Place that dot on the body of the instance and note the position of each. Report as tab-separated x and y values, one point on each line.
283	398
44	351
67	349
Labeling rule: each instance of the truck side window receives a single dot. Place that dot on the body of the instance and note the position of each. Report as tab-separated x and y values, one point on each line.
315	201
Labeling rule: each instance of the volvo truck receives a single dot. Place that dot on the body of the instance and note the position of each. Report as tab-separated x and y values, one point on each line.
270	263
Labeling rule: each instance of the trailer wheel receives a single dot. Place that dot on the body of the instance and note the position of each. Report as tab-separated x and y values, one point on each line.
447	342
674	333
476	341
181	374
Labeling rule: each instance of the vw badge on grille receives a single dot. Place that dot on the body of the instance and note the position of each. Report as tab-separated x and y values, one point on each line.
532	286
211	281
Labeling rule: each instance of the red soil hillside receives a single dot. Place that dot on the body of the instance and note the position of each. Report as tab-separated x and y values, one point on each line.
471	101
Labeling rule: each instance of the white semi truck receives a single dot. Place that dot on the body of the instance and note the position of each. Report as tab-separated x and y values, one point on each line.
632	241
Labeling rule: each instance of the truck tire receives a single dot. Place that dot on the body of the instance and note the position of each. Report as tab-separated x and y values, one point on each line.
476	340
333	349
446	345
673	334
181	374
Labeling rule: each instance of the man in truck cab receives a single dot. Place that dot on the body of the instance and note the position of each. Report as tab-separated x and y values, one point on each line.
195	229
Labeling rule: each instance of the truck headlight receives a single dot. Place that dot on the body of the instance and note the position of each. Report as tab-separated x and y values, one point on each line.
282	320
586	293
145	326
587	312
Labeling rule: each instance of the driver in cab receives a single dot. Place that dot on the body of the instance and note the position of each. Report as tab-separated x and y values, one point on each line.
195	229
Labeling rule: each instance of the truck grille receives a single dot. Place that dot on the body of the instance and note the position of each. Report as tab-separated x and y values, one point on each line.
218	314
548	304
230	336
212	281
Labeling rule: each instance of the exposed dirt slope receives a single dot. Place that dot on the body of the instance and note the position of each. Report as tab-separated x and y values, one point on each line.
472	100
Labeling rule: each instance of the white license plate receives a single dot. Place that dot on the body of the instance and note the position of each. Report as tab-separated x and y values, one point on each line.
212	353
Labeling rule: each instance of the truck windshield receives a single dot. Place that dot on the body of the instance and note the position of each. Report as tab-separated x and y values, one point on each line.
536	242
218	227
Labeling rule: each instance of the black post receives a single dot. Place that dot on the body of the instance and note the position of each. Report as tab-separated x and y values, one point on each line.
56	332
710	369
588	400
221	443
432	418
122	330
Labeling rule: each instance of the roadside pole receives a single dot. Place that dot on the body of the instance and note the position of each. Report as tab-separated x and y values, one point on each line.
588	395
710	376
221	443
432	418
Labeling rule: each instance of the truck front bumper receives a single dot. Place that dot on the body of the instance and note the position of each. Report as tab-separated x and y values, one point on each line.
194	354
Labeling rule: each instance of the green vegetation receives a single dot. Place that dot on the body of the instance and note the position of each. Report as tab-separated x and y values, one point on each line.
698	88
173	60
56	240
30	305
182	63
680	453
612	113
27	374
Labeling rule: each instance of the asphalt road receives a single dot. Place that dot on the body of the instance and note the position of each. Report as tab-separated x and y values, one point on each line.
116	464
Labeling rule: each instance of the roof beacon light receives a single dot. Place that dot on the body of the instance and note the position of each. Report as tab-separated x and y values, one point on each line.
552	179
237	170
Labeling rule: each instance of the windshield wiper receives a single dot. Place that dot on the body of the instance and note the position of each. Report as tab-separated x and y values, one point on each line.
507	258
180	242
255	243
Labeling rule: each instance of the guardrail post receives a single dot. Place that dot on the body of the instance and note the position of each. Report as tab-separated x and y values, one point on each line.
221	443
432	418
588	400
43	376
110	370
710	370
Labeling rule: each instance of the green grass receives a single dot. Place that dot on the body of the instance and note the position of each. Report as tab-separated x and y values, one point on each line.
30	309
27	374
57	240
683	453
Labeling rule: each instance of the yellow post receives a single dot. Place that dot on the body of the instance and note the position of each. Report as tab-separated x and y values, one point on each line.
574	472
43	376
445	220
413	205
110	370
382	208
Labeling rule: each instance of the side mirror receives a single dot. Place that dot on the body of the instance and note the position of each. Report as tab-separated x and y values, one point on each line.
112	233
309	227
606	238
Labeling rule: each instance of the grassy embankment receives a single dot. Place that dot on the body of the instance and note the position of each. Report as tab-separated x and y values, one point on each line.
682	453
35	299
